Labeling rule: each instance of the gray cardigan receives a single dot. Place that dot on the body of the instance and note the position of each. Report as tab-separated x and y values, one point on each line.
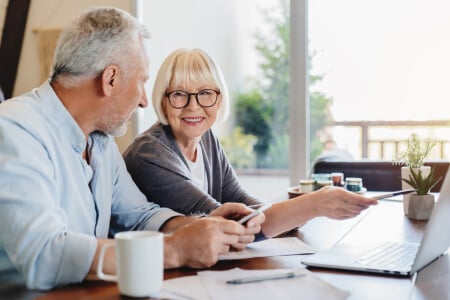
160	170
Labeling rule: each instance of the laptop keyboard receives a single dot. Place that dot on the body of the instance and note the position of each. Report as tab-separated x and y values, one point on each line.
391	255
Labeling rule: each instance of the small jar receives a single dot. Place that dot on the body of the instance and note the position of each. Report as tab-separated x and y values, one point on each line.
307	185
337	178
353	184
321	183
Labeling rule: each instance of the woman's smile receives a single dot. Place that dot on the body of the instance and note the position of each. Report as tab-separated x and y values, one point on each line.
193	120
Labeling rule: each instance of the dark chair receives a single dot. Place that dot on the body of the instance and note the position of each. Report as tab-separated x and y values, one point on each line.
2	97
376	175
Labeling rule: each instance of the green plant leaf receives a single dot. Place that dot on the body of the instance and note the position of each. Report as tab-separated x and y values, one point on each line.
422	184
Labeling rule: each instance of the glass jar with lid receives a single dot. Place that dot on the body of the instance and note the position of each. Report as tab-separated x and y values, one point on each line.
353	184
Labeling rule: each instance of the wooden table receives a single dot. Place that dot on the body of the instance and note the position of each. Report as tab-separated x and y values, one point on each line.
383	222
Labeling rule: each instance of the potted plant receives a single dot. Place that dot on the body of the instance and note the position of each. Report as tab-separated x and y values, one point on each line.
420	204
417	149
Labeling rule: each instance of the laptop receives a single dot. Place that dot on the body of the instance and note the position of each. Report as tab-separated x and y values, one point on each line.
435	243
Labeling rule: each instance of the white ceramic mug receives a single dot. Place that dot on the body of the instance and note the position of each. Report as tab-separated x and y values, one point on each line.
139	263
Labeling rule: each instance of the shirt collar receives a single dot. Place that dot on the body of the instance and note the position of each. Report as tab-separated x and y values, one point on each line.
61	117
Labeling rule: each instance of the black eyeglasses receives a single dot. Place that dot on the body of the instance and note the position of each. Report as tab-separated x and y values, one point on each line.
180	99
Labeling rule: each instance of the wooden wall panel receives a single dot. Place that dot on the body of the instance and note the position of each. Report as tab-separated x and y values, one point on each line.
11	43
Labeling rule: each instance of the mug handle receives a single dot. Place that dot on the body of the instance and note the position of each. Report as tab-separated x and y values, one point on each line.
100	273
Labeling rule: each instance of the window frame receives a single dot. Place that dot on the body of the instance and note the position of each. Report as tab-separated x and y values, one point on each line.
299	112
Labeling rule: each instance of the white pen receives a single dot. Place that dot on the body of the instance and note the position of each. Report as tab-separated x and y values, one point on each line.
392	194
266	277
254	213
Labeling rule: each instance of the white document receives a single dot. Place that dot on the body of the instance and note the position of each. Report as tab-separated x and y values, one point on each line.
211	285
184	288
271	247
308	286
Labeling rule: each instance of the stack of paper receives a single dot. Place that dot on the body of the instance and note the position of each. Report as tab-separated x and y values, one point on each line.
276	283
271	247
212	285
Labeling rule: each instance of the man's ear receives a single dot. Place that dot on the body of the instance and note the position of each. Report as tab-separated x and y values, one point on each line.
109	79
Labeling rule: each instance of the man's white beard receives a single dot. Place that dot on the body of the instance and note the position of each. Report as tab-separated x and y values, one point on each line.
114	125
118	131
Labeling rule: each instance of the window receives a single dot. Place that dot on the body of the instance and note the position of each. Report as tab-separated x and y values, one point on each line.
385	65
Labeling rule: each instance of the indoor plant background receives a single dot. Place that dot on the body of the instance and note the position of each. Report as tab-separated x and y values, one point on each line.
413	157
420	204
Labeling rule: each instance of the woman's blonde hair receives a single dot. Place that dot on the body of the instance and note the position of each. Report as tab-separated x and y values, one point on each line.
185	66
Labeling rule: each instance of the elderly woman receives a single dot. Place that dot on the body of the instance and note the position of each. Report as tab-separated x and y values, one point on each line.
179	162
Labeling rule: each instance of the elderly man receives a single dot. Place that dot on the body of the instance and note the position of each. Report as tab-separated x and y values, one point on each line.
64	188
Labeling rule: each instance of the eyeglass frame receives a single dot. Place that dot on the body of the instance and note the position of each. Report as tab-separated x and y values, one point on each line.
189	98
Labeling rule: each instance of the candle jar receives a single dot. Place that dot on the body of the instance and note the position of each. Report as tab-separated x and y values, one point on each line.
307	185
337	178
353	184
321	183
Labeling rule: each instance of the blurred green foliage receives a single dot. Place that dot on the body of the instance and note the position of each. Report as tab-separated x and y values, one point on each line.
239	148
262	112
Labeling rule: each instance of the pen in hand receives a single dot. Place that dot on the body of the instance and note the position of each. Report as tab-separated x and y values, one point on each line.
392	194
266	277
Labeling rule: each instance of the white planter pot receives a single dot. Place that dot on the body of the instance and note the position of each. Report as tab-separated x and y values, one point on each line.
405	171
419	207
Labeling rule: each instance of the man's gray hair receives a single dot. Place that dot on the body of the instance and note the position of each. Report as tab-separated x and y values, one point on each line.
98	38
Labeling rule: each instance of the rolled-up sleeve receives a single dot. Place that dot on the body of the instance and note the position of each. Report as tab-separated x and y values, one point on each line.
71	253
131	209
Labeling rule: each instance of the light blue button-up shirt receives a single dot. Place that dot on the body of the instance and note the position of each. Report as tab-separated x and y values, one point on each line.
53	204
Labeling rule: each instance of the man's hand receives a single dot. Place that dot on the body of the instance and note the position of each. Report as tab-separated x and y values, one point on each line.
200	243
236	211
